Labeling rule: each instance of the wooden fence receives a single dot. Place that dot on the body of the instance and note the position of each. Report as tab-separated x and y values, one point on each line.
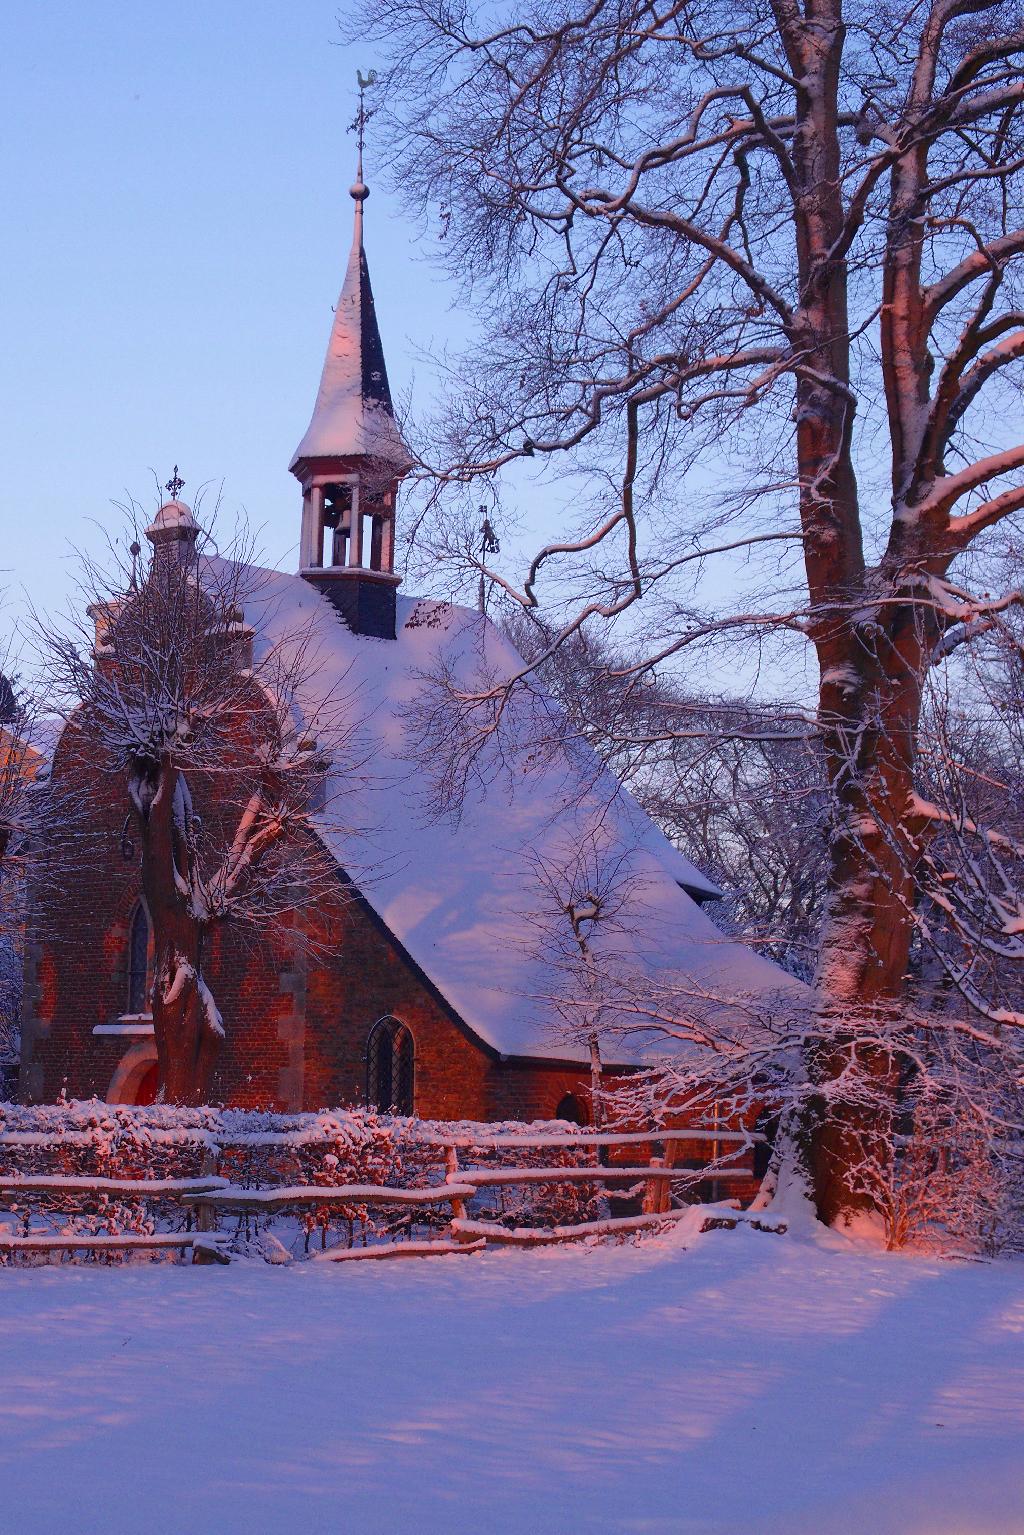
206	1198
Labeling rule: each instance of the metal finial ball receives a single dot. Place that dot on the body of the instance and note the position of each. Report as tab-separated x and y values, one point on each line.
359	190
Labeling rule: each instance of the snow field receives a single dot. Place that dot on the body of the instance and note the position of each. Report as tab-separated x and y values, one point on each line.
747	1383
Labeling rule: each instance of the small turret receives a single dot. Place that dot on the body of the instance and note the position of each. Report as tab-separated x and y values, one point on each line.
173	533
174	530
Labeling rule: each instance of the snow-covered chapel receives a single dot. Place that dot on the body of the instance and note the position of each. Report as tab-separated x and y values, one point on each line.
436	997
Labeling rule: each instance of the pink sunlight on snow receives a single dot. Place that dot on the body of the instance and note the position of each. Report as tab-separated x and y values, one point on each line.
749	1383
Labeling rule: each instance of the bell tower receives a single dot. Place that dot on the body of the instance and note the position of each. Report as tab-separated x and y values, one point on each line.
352	459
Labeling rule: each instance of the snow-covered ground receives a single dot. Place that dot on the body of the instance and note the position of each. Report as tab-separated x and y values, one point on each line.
751	1383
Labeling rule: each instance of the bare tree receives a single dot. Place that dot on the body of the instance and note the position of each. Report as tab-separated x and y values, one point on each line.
587	894
782	242
740	789
202	738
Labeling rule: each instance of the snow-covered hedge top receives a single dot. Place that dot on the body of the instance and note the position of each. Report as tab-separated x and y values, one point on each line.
258	1149
92	1119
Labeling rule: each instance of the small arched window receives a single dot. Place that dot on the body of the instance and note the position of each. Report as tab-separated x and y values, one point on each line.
138	961
390	1067
571	1110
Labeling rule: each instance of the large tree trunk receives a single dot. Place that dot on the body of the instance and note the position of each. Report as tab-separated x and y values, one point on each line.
183	1046
865	945
869	660
187	1033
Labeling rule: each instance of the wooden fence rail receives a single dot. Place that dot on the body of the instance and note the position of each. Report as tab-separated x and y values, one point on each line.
210	1195
129	1188
203	1244
238	1200
497	1177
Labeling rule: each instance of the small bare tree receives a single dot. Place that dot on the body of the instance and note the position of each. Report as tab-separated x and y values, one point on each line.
203	737
741	790
588	907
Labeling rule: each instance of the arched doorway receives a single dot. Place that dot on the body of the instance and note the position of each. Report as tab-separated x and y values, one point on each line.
149	1085
136	1078
572	1110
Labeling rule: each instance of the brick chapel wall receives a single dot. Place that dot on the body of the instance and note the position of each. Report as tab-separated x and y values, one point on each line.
76	969
370	978
296	1028
529	1090
296	1031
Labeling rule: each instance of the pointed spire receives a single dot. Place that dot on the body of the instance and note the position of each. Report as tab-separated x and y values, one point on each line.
353	415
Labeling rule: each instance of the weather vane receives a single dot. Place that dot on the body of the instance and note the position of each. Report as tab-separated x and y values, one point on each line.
175	484
362	117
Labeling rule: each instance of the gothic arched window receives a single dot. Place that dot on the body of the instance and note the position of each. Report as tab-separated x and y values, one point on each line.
390	1067
138	961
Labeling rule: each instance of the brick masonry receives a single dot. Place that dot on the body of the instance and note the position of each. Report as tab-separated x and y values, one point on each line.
297	1026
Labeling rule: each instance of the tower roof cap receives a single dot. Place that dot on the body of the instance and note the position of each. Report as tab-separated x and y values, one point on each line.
173	520
354	416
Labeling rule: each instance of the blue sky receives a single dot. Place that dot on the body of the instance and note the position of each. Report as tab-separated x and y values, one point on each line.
176	226
176	223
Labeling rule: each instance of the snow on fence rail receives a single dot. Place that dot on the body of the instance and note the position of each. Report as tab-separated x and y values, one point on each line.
530	1139
186	1169
235	1199
505	1141
499	1177
130	1188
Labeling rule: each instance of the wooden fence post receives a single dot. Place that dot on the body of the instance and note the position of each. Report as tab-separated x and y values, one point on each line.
665	1187
451	1168
206	1215
652	1190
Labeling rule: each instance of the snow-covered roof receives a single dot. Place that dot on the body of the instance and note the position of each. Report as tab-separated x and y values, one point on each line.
353	415
44	732
463	895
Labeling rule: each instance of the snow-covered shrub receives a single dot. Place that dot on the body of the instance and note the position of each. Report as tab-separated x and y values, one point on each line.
950	1188
251	1148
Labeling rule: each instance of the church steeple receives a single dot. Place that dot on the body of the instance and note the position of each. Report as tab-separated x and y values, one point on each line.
352	458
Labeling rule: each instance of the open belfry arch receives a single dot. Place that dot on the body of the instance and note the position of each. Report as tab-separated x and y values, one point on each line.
352	458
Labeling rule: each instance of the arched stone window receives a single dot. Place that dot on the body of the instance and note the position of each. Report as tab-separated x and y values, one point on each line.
390	1067
138	961
572	1110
